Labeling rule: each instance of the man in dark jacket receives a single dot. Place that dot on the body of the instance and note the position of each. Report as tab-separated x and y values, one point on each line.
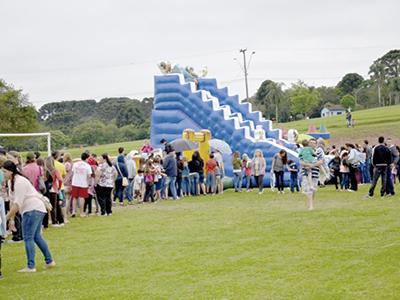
381	159
171	170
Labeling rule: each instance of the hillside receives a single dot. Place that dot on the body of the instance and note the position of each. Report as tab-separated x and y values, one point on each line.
370	124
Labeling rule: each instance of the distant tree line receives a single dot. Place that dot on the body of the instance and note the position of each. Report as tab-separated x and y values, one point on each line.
88	122
301	101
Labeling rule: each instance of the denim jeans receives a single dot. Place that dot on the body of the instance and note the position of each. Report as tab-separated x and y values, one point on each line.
389	182
162	194
248	181
129	190
194	183
170	183
185	185
344	183
294	182
210	181
237	181
366	173
279	180
31	226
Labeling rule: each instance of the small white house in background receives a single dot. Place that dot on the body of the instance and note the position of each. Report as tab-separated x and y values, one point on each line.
332	111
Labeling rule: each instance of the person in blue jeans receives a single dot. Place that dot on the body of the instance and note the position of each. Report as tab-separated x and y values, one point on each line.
171	170
294	171
27	201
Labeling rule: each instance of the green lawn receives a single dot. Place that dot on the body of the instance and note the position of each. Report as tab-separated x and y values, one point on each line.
233	246
370	124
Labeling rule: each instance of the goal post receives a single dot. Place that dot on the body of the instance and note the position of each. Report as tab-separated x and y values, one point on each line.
48	134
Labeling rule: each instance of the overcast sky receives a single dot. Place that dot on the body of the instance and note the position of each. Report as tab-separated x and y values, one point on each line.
73	50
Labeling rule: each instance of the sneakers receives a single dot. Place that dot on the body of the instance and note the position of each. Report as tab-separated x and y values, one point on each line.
368	197
14	242
27	270
350	190
55	225
50	265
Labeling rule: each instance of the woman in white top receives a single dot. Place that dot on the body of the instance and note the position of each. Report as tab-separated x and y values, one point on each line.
26	200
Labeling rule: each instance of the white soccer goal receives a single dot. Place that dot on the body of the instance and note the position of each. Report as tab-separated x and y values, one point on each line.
48	134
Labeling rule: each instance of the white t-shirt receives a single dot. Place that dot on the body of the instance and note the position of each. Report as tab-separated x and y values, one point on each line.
25	196
137	183
80	174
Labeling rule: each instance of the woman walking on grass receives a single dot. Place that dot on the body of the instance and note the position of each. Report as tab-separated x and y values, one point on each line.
105	176
26	200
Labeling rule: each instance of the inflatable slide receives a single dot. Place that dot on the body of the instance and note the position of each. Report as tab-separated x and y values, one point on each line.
178	105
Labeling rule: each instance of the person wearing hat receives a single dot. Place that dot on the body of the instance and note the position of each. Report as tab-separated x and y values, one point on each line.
27	201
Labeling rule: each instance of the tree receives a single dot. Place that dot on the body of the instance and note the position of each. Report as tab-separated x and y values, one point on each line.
303	99
270	98
349	83
348	101
384	71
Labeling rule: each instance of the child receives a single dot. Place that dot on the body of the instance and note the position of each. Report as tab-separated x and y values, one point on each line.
149	173
294	170
307	154
185	177
138	186
246	166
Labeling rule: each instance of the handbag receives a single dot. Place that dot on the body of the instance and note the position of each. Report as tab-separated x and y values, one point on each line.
125	181
46	202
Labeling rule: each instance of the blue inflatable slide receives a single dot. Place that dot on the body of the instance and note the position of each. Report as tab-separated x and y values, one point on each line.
178	105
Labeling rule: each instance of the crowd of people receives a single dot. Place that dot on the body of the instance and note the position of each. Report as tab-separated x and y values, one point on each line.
94	184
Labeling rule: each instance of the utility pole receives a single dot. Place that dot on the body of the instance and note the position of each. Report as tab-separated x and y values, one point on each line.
245	73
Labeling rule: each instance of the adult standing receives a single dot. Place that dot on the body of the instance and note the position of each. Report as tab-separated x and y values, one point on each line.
196	168
237	171
353	160
394	160
59	166
258	169
368	155
218	157
53	184
26	200
381	159
81	171
171	170
67	160
32	171
131	168
105	176
278	166
121	173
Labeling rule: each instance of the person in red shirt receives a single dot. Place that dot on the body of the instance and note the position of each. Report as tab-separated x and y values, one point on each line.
211	165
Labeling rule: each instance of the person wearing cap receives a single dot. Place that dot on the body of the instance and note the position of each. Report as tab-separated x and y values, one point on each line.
26	200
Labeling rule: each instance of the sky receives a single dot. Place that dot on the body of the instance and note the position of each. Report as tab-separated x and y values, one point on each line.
75	50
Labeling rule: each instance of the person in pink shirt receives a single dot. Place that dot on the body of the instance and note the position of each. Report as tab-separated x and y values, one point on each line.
146	148
32	171
53	184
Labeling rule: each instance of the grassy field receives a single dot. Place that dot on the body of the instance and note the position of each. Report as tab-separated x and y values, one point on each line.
370	124
233	246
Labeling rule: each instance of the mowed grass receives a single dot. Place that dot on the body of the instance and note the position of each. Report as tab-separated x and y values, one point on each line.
231	246
370	124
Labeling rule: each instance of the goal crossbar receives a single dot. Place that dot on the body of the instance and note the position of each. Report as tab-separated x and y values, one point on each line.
48	134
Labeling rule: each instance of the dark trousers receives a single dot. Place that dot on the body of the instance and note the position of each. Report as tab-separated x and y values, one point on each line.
336	178
149	193
104	198
1	242
279	180
389	181
17	235
259	181
88	204
119	190
179	185
378	172
56	213
353	178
